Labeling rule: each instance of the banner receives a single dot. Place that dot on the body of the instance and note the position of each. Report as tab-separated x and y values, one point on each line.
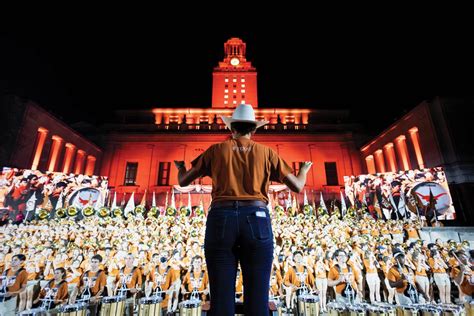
406	194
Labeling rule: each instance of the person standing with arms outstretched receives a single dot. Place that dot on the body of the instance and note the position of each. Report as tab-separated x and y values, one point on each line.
238	224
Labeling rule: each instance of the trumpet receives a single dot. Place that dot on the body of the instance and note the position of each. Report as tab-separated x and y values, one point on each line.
61	212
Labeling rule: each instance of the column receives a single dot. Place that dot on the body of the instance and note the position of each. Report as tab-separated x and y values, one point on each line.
70	150
79	165
415	138
400	143
55	149
90	165
369	160
390	155
41	138
379	161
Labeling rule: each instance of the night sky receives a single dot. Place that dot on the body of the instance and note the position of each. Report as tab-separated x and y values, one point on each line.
82	71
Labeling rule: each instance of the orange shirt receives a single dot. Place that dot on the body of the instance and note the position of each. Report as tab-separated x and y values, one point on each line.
394	276
131	277
241	168
200	278
466	287
163	277
16	282
61	291
412	233
321	272
97	281
431	262
334	275
291	276
368	268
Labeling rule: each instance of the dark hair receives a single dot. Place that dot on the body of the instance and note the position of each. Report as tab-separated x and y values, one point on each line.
20	257
243	128
97	257
63	272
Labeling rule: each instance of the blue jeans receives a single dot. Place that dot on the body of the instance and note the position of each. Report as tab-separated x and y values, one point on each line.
237	234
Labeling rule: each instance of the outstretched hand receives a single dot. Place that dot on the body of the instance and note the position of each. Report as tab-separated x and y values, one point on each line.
305	166
179	164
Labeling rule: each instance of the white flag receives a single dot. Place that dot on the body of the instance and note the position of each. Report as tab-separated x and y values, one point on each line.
343	204
114	202
59	204
153	200
321	202
189	202
173	203
130	205
305	199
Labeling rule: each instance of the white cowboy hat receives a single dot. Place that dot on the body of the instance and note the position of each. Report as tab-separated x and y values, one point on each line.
243	113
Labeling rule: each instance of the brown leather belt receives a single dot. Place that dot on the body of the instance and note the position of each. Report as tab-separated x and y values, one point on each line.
238	203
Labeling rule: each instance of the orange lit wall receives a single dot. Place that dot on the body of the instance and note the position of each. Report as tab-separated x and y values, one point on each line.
409	143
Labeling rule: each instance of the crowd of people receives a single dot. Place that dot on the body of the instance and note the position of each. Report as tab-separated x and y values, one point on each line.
355	258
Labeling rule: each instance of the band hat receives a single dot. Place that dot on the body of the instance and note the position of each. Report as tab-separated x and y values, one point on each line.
243	113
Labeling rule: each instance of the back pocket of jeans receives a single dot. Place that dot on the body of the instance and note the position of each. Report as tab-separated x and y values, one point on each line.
216	226
260	227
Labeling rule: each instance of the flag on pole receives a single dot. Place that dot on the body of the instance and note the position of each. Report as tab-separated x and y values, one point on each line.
143	201
343	205
190	207
114	202
59	204
321	203
173	203
153	201
305	198
130	207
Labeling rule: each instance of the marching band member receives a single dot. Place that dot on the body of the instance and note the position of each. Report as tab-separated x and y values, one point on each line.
372	277
440	276
92	285
463	277
14	282
55	292
343	278
129	282
196	279
421	276
298	279
321	269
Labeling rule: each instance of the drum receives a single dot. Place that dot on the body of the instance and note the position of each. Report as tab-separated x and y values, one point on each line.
336	309
429	310
190	308
452	310
407	310
356	310
34	312
275	307
308	305
469	308
79	309
150	306
382	309
113	305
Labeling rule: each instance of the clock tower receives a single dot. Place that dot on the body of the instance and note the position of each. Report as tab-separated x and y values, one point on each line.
234	81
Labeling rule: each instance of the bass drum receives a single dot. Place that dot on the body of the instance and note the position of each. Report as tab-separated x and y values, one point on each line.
308	305
190	308
150	306
79	309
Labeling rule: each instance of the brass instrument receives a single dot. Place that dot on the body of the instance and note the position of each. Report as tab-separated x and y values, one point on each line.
88	211
61	212
413	292
117	212
42	213
103	212
139	210
72	211
153	212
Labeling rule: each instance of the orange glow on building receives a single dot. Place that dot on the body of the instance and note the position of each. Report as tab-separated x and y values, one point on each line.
380	163
390	155
68	156
234	80
55	149
416	144
90	166
369	160
79	165
42	134
401	145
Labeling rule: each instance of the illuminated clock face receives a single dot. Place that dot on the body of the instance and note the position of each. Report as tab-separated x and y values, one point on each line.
234	61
